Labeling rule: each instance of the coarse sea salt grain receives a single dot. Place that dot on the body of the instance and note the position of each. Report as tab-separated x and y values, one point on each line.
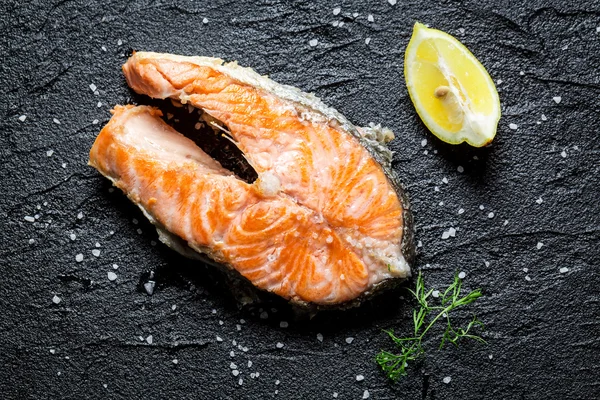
96	253
367	41
29	218
56	299
513	126
149	339
491	215
366	392
119	42
313	42
279	345
423	142
435	293
360	378
22	118
526	270
80	215
461	210
447	379
462	275
335	395
460	169
175	361
563	154
219	339
320	337
336	10
115	266
370	18
527	278
539	245
264	315
93	87
544	118
349	340
111	276
392	2
557	99
539	201
49	153
563	270
283	324
79	257
445	180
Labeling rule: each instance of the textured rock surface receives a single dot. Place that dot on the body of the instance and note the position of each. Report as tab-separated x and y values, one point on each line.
92	339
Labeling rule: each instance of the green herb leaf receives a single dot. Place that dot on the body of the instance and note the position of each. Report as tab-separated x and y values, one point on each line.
410	348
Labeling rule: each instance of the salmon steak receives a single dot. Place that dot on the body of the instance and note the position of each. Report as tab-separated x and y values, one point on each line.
326	223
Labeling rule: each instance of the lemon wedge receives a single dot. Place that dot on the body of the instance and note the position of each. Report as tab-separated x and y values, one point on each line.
450	89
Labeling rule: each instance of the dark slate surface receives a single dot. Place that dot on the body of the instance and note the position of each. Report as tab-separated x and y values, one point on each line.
540	181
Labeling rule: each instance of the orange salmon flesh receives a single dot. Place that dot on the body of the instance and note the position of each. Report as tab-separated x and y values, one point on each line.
322	224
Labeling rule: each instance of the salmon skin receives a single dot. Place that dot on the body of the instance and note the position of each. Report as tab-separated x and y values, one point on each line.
325	224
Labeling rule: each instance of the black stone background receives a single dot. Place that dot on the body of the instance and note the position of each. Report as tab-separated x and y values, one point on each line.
543	334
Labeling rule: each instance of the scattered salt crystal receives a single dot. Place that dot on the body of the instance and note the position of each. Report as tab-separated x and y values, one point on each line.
22	118
447	379
96	253
445	180
521	73
205	20
461	30
232	353
175	361
250	364
505	222
31	241
563	154
366	392
526	270
487	263
598	29
29	218
139	231
119	42
214	311
360	378
52	351
370	18
79	257
111	276
56	299
462	275
153	243
95	122
149	339
313	42
445	235
490	356
99	104
557	99
539	201
219	339
452	232
56	121
392	2
349	340
425	152
115	266
460	169
367	41
423	142
491	215
527	278
238	327
544	118
563	270
264	315
435	293
277	382
149	287
335	23
279	345
499	81
103	48
232	365
174	307
240	382
539	245
461	210
436	189
220	322
49	153
513	126
335	395
80	215
283	324
72	236
441	203
336	10
93	87
320	337
419	244
482	207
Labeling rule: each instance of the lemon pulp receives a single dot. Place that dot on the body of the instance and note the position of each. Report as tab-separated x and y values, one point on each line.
450	89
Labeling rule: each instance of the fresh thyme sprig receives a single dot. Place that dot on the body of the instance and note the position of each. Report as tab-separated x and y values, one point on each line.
411	348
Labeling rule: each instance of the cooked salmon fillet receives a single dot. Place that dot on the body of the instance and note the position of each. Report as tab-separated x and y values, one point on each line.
323	224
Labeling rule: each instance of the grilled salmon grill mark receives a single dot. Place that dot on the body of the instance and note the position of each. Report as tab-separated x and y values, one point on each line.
322	223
